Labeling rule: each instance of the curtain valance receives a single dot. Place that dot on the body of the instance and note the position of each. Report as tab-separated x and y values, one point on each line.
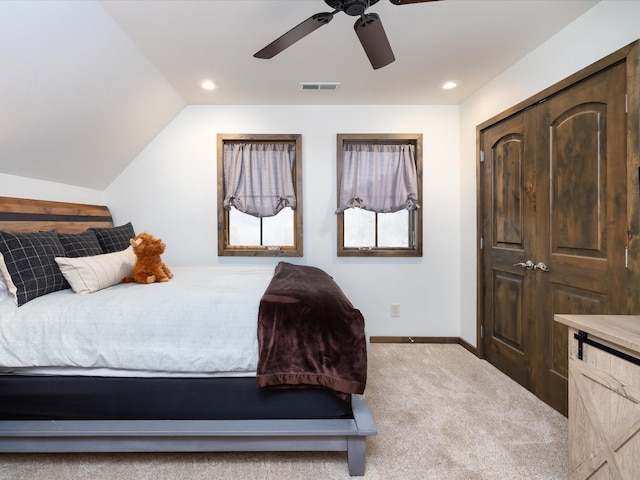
380	178
258	177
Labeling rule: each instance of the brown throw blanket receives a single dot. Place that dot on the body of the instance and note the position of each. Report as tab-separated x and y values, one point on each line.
309	334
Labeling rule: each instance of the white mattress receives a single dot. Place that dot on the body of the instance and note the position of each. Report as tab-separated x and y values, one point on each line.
201	322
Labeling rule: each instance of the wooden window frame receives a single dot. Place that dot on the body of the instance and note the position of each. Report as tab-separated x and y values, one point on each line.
223	215
382	138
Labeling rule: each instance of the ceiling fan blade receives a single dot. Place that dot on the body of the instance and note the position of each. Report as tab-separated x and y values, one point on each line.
374	40
407	2
298	32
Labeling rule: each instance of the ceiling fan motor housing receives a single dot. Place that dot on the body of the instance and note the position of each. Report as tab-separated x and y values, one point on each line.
353	8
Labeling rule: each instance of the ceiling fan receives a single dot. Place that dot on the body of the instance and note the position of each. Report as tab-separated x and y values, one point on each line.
368	28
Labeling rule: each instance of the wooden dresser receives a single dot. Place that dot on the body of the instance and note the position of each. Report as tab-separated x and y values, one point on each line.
604	396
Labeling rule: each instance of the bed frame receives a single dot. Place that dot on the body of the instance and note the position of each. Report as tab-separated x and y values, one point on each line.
30	436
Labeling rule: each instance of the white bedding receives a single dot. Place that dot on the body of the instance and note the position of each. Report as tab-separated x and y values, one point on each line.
203	321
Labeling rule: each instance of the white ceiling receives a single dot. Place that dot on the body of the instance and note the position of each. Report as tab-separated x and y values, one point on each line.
468	40
86	85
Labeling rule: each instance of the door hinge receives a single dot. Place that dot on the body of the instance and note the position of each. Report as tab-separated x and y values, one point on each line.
481	331
481	243
626	103
626	257
481	156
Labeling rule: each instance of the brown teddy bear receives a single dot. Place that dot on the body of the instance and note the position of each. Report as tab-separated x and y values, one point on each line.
149	267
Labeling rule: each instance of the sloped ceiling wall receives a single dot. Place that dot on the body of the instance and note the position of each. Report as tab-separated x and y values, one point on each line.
78	100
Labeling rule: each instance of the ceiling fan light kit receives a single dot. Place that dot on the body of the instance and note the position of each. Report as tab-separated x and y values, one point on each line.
368	28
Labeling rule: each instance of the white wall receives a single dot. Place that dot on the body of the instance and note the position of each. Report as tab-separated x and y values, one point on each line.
608	26
170	190
23	187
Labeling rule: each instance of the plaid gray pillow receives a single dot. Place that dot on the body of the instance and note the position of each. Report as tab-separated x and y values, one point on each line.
83	244
114	239
29	260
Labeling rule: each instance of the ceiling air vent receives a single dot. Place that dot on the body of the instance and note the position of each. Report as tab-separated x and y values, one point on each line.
318	86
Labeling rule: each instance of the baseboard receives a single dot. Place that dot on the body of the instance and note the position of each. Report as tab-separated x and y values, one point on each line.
449	340
468	346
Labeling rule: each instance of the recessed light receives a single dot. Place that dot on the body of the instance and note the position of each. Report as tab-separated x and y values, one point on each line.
208	85
449	85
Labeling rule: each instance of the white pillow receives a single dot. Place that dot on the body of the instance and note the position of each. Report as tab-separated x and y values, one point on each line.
4	290
90	274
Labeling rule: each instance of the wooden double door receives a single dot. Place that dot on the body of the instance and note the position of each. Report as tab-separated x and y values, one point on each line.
553	226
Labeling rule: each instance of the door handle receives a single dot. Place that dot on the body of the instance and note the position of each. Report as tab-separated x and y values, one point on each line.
528	265
541	266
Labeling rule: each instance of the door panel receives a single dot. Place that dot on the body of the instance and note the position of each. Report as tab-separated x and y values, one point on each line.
581	220
507	311
578	180
566	299
507	206
507	157
553	191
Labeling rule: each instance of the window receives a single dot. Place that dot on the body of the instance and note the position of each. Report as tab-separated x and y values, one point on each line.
259	195
379	195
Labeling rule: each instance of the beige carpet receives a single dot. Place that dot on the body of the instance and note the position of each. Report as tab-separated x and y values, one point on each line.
441	414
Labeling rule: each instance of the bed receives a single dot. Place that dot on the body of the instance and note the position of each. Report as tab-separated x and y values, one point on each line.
79	373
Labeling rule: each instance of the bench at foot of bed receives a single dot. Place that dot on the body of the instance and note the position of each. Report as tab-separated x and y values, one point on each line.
47	436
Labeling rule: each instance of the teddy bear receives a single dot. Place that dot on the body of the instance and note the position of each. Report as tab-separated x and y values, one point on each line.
149	267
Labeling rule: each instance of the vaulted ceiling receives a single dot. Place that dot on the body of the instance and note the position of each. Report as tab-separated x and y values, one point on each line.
86	85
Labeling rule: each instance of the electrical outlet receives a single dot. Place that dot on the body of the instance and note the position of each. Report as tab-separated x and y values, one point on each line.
395	309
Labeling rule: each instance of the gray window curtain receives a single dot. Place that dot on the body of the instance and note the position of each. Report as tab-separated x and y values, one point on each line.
378	178
258	177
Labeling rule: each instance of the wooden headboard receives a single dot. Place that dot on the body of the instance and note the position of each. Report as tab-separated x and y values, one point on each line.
25	215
